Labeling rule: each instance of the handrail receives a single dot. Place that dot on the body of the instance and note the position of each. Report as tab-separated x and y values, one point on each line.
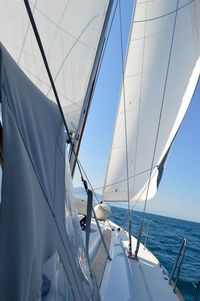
178	263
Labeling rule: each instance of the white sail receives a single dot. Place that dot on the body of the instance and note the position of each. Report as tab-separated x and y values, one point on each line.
70	32
161	73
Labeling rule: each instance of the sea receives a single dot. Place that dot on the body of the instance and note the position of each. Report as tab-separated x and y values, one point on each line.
164	240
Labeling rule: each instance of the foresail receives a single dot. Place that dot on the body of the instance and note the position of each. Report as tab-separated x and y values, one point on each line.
70	32
161	73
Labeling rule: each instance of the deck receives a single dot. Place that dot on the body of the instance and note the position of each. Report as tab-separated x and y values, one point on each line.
124	278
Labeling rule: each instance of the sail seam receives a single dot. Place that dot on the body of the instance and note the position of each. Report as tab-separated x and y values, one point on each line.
24	40
68	53
125	179
46	84
39	42
53	39
165	15
63	30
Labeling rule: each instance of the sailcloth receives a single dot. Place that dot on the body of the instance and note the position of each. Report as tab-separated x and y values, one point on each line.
161	72
70	32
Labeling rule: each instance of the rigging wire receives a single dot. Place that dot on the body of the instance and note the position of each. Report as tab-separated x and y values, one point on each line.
32	21
94	193
138	123
105	45
49	72
157	132
47	66
125	179
91	86
69	141
125	129
161	108
80	166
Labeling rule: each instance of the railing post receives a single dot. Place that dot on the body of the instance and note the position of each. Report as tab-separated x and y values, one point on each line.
147	236
178	263
138	240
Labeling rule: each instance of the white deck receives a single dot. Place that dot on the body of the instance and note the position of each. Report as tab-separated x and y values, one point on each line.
124	278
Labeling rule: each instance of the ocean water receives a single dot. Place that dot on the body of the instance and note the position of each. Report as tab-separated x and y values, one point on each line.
165	238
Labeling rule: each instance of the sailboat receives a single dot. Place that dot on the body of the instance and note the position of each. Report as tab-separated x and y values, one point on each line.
50	55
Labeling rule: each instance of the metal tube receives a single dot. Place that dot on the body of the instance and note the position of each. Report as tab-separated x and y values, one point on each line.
138	240
147	235
101	234
130	239
178	263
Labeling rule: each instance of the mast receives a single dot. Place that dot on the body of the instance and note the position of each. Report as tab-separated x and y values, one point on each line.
74	149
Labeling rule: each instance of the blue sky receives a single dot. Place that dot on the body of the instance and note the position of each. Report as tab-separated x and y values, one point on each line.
179	191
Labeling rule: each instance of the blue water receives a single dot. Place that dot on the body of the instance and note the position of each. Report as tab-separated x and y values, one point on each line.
166	235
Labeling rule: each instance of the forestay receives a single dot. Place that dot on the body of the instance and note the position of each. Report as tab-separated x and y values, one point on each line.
70	32
160	76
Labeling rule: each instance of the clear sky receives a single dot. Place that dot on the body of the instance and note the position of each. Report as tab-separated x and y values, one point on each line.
179	191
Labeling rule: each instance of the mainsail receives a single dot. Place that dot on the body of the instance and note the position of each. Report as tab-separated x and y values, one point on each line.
70	32
161	72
